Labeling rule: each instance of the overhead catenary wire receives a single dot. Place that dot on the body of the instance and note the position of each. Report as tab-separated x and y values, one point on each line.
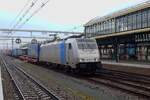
19	13
35	12
26	12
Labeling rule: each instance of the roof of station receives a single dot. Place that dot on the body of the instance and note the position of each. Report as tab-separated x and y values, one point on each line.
119	13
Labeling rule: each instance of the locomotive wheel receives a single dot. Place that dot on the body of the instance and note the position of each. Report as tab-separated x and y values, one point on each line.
67	69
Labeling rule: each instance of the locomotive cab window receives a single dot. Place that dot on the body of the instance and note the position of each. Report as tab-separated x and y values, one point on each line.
86	44
70	46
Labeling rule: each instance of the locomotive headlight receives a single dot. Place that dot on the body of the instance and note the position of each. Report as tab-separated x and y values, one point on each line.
81	60
96	59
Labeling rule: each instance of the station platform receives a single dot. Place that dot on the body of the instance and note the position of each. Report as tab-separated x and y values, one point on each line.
1	87
128	66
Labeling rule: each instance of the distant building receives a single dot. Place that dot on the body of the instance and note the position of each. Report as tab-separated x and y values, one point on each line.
128	28
134	18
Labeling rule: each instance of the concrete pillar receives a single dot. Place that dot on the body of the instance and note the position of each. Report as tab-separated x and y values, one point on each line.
100	51
116	50
136	51
147	49
126	51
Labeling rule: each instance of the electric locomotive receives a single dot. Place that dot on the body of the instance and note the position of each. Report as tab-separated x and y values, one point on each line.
74	54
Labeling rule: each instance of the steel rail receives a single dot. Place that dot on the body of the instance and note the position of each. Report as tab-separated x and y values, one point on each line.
38	83
5	65
33	80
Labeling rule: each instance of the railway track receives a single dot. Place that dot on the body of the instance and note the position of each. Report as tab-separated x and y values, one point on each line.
128	76
28	88
8	85
133	83
136	84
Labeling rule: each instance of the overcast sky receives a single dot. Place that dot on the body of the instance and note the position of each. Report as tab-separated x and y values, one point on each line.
62	15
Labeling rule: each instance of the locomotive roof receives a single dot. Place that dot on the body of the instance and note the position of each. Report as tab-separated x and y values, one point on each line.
24	48
55	42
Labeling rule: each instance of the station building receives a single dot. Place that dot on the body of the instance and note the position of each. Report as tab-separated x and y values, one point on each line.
123	35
